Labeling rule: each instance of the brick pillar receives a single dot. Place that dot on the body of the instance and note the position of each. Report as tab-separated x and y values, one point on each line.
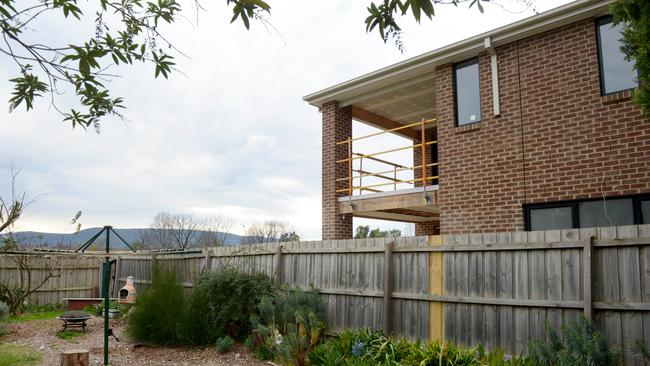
432	156
337	126
430	227
427	228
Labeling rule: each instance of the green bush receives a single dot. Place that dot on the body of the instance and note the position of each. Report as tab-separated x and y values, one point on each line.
98	309
363	347
224	344
156	314
369	347
44	308
94	309
4	313
641	350
222	303
580	344
289	325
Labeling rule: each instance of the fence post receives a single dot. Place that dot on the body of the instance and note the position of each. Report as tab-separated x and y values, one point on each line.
587	283
278	264
436	288
208	260
388	288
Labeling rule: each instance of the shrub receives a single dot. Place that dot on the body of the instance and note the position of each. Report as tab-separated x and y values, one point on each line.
44	308
98	309
94	309
641	350
224	344
581	344
369	347
156	314
222	303
289	325
4	312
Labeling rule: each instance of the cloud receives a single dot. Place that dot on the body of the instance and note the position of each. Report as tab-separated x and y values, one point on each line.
231	136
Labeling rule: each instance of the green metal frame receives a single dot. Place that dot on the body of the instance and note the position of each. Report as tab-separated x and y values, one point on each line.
106	274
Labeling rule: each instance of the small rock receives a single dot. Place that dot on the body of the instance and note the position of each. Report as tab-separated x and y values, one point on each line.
237	355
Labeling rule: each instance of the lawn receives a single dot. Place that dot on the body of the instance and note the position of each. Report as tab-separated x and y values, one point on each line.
27	317
15	354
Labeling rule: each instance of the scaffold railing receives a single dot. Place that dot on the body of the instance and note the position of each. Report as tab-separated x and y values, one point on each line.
389	174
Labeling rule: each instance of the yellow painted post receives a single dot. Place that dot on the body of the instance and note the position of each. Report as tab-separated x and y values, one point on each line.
436	288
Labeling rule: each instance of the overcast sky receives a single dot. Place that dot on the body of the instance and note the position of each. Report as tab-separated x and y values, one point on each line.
232	136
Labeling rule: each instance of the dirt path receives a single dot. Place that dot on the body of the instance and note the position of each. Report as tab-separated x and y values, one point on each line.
41	335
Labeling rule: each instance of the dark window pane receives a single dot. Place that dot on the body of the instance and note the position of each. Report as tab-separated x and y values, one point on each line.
620	212
551	218
468	96
617	73
645	212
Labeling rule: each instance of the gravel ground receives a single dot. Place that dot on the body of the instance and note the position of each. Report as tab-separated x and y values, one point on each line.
41	335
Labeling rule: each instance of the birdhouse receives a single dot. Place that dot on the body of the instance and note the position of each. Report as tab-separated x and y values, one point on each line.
127	293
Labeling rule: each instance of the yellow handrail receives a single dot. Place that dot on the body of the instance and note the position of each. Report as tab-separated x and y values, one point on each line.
354	188
387	171
362	156
389	131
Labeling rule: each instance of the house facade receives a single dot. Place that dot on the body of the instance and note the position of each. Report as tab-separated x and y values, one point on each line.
530	126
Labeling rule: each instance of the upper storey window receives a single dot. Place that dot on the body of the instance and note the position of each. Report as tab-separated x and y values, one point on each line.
616	73
467	92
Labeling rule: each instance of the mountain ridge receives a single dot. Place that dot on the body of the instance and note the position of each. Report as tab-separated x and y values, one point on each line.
74	240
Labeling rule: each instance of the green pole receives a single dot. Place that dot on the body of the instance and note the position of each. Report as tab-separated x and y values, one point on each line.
105	286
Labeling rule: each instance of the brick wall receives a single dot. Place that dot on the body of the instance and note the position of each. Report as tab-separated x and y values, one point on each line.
562	141
337	126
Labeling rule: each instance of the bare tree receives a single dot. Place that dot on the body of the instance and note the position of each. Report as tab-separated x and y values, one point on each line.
214	231
270	231
12	206
15	291
171	231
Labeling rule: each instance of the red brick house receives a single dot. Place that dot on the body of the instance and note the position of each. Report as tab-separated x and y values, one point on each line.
527	127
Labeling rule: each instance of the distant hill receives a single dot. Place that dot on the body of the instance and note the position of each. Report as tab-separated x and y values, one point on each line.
76	239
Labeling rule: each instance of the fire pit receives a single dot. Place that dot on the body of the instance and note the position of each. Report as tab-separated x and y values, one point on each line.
74	319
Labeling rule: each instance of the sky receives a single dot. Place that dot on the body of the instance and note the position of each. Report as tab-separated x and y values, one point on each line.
230	135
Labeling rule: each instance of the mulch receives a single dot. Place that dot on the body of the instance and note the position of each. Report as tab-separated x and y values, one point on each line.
41	335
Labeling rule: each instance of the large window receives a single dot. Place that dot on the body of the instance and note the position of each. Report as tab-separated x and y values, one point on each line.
616	73
588	213
467	92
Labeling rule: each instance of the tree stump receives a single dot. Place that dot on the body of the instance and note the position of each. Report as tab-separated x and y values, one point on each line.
75	357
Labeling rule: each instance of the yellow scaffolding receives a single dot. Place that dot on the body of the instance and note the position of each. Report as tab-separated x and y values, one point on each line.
394	181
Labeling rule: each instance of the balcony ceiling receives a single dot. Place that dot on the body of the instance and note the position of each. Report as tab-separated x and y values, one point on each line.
403	104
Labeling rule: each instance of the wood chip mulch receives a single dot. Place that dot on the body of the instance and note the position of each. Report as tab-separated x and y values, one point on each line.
41	335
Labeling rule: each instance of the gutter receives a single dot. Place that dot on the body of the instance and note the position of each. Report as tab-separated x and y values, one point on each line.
426	63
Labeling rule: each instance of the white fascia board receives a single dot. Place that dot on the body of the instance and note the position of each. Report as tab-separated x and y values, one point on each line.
427	62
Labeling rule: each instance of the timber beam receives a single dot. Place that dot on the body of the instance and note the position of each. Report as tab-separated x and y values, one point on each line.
416	201
383	123
382	215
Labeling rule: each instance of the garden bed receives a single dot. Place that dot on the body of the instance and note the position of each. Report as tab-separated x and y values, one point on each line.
41	335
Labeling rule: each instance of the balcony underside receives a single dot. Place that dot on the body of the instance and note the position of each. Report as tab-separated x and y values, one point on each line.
410	205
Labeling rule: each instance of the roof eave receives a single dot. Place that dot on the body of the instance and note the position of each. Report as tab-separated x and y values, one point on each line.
427	62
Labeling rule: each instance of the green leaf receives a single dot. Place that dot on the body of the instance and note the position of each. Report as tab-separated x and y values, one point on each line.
84	68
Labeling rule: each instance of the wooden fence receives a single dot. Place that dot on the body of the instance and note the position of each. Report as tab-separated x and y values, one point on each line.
497	289
72	276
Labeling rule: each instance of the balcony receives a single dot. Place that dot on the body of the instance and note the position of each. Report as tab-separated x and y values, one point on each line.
377	187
